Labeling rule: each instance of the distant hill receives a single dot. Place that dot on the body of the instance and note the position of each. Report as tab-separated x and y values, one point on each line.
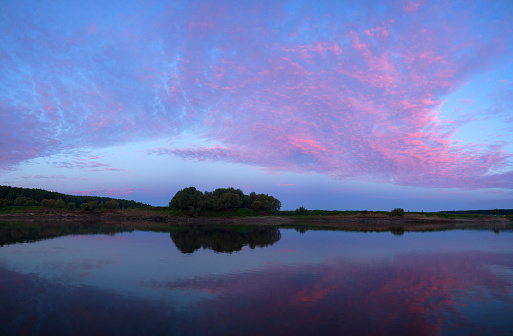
9	195
498	212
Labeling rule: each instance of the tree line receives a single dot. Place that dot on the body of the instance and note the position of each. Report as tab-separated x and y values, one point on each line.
51	199
497	212
223	199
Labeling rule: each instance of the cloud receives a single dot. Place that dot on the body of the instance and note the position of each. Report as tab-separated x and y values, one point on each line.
502	102
52	177
83	160
466	101
411	6
107	192
306	88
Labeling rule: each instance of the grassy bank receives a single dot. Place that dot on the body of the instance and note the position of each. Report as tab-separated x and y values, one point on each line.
305	215
166	219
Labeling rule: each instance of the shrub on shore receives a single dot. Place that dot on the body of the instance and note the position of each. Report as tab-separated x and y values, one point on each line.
112	205
89	206
301	211
397	212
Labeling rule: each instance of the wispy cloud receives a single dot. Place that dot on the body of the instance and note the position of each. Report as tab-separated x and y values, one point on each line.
350	91
87	162
107	192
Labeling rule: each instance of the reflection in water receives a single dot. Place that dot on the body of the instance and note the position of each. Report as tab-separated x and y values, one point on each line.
226	240
424	287
35	306
21	232
411	295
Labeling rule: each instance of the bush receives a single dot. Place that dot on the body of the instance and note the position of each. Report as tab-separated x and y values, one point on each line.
397	212
89	206
5	202
112	205
20	201
48	203
301	211
31	202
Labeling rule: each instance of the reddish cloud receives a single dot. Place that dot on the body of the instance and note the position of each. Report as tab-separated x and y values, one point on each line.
411	6
349	91
363	109
107	192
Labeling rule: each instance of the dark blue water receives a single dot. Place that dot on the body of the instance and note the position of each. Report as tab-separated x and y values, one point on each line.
266	282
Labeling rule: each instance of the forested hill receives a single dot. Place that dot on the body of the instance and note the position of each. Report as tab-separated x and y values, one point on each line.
28	197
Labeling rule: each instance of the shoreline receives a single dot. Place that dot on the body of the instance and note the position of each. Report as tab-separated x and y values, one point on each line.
144	219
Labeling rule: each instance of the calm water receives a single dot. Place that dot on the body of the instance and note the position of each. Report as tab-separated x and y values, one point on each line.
258	282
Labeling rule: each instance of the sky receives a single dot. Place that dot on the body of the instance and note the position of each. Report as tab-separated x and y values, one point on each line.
341	105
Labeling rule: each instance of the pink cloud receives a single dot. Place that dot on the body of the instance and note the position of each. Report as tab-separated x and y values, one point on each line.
52	177
92	28
411	6
84	161
466	101
109	192
306	90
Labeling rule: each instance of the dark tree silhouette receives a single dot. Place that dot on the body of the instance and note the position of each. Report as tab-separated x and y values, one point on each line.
223	199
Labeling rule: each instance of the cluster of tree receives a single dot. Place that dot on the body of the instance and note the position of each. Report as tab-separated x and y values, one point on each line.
223	199
51	203
34	197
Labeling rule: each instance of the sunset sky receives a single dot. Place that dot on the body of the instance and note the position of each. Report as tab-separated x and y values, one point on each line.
343	105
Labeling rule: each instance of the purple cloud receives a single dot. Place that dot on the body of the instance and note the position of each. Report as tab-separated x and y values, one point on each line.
466	101
503	102
85	161
107	192
349	91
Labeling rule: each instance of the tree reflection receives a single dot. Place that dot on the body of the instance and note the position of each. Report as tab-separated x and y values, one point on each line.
224	240
26	232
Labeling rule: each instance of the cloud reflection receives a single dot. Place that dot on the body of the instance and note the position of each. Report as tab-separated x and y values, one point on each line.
422	294
411	294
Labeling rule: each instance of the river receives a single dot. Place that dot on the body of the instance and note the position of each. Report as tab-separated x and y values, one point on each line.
254	281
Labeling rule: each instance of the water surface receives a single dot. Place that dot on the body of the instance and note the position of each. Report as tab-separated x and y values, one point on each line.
202	281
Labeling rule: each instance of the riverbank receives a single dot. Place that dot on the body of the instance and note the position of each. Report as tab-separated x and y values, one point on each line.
355	221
